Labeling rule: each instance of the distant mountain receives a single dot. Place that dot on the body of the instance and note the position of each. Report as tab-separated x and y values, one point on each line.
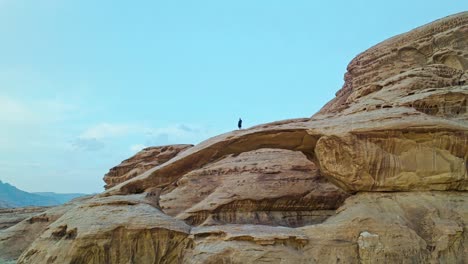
10	196
4	204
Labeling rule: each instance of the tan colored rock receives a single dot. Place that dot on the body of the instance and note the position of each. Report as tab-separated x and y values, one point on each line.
439	48
12	216
410	89
392	124
396	136
15	239
117	229
141	162
414	227
246	244
266	186
395	161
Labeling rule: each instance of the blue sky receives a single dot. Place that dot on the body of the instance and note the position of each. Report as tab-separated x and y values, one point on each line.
85	84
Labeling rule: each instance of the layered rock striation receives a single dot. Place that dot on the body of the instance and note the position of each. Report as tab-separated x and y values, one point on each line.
116	229
379	175
17	238
142	161
12	216
381	133
265	186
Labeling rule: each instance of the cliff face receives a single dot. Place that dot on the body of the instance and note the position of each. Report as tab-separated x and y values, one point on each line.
372	227
378	175
410	69
265	186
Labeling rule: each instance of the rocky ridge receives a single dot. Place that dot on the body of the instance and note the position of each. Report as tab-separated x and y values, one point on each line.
16	238
379	175
12	197
12	216
141	162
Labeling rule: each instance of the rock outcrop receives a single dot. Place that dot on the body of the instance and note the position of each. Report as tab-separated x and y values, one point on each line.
145	159
266	186
379	175
12	216
381	133
373	227
15	239
116	229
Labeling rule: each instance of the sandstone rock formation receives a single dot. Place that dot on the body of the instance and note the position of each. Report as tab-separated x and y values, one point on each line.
12	216
266	186
15	239
379	175
404	227
142	161
381	132
117	229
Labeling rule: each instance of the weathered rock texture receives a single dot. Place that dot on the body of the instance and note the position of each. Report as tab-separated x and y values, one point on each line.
379	175
266	186
15	239
117	229
411	227
142	161
389	138
12	216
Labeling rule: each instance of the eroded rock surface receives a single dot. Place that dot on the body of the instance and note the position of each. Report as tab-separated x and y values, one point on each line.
117	229
246	244
395	160
393	144
12	216
15	239
142	161
413	227
266	186
432	56
392	106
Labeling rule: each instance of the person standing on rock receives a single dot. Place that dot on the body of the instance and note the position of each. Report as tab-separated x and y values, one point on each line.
239	124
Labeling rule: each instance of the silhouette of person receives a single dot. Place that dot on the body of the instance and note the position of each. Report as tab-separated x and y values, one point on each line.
239	124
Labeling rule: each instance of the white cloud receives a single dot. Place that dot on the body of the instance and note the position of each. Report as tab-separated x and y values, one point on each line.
97	137
171	134
107	130
107	134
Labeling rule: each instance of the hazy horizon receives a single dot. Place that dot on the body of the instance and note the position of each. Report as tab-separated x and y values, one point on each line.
85	85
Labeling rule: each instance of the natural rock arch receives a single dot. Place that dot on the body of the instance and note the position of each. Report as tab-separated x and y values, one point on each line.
163	175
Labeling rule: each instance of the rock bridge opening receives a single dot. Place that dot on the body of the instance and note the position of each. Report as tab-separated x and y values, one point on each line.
198	156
